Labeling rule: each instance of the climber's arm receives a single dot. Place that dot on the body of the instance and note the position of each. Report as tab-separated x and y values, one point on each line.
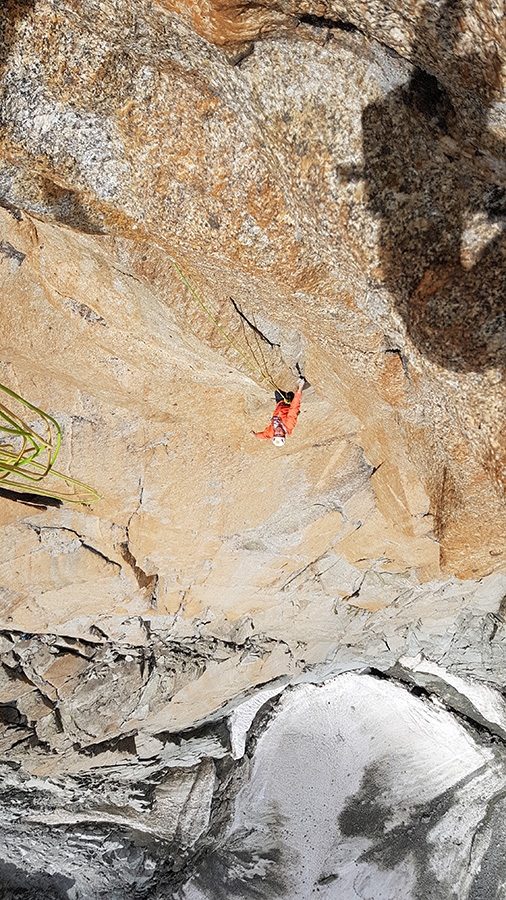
293	412
265	435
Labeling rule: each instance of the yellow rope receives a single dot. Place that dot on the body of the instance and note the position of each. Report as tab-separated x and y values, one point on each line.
19	468
253	368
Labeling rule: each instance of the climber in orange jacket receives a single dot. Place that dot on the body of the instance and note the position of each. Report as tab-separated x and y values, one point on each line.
284	417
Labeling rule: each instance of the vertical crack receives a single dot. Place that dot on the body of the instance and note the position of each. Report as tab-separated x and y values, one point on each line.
143	579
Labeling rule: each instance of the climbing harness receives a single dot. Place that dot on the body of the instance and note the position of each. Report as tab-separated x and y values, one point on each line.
279	439
256	369
278	423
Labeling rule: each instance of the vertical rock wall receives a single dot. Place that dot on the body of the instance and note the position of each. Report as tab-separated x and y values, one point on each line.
330	181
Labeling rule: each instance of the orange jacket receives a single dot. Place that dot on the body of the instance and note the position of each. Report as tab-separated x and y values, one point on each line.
286	414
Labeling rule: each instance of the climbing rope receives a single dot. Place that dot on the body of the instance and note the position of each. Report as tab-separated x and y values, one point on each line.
26	457
254	368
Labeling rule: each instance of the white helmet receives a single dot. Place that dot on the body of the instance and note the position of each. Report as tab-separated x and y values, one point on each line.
278	441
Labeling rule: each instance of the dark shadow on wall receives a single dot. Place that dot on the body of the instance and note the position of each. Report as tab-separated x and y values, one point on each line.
30	499
435	176
17	885
250	863
62	205
33	193
368	814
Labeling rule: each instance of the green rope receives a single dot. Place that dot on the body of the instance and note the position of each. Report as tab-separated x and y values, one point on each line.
19	468
217	325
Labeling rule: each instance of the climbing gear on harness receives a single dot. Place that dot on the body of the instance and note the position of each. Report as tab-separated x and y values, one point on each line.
279	439
279	424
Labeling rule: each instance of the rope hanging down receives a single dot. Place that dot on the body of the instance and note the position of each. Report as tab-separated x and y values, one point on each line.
217	325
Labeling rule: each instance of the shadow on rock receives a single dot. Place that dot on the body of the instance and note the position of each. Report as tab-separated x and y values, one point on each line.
18	885
436	180
367	814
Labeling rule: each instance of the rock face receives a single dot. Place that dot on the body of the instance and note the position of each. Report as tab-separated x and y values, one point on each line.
199	202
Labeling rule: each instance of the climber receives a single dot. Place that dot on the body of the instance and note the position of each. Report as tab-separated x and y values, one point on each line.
284	417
